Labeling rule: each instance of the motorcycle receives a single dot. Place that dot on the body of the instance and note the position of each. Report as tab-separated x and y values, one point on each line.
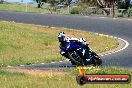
79	54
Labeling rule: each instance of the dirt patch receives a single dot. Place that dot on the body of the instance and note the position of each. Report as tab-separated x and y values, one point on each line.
40	73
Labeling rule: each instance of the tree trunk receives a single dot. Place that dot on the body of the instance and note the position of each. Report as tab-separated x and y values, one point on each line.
101	3
39	5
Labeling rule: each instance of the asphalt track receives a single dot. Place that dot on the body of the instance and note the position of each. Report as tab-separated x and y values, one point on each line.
116	27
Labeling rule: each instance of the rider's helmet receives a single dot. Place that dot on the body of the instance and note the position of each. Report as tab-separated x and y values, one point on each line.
62	37
82	40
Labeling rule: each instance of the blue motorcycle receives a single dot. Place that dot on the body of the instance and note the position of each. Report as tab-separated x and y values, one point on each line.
78	53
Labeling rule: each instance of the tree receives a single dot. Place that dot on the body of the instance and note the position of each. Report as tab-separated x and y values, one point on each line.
124	4
40	2
1	1
52	2
121	4
67	2
106	3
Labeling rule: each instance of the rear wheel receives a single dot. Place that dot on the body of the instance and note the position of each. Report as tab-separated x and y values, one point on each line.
97	60
75	59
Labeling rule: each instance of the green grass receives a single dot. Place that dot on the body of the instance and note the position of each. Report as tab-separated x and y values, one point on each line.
28	44
30	8
14	79
105	70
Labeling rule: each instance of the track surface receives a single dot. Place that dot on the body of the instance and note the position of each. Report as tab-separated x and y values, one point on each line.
116	27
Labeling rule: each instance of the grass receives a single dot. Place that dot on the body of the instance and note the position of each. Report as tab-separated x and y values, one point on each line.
30	8
28	44
17	79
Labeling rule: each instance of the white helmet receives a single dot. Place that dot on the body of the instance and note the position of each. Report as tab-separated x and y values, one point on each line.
62	37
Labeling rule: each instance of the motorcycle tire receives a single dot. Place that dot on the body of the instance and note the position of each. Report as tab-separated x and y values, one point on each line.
98	60
73	61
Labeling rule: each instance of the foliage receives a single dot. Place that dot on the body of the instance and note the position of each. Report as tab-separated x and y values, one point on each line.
1	1
121	4
74	11
40	2
85	4
52	2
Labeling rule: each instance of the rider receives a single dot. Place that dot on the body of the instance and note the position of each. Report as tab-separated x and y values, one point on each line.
63	39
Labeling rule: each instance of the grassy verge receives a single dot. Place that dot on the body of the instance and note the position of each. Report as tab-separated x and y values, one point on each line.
30	8
28	44
16	79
